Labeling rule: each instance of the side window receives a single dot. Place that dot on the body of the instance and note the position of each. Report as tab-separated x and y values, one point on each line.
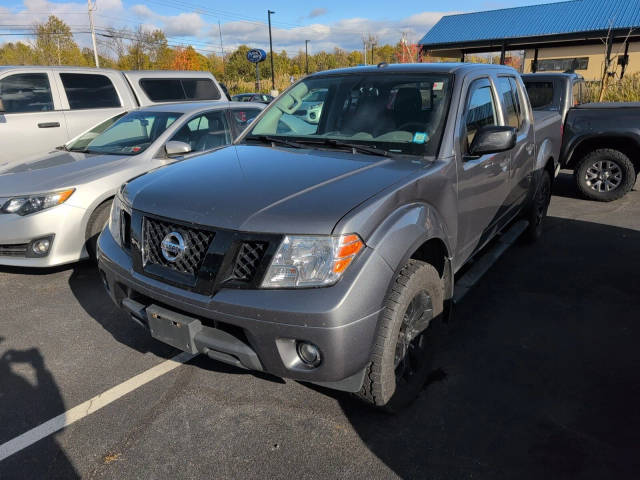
162	90
173	89
577	93
244	116
206	131
481	109
508	102
26	92
200	89
89	91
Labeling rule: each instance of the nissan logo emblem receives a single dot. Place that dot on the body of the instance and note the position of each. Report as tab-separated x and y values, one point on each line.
173	246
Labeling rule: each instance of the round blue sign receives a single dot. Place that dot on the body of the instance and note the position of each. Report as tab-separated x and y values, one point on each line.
256	55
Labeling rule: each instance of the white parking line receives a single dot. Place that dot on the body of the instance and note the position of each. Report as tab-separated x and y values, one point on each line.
90	406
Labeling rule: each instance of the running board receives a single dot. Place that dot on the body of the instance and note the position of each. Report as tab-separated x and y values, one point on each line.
484	263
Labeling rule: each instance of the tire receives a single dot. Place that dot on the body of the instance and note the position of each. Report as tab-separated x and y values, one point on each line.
96	224
398	371
605	175
538	209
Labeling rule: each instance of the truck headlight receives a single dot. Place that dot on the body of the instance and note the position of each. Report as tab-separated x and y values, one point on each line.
115	220
311	261
34	203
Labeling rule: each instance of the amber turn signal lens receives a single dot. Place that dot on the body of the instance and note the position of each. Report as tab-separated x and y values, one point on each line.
350	245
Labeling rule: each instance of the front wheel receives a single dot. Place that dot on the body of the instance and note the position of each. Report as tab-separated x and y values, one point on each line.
539	207
605	175
402	355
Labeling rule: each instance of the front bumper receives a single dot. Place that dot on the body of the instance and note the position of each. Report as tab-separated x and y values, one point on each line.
341	320
65	222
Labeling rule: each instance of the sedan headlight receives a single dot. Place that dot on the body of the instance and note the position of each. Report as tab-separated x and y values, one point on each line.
115	220
34	203
311	261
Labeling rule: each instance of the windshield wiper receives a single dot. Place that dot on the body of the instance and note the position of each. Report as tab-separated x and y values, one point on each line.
331	142
275	140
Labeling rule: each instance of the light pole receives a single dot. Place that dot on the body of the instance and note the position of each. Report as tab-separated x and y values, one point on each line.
306	56
273	78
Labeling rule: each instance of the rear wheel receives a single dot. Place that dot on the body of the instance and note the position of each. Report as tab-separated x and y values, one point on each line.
402	357
96	224
605	175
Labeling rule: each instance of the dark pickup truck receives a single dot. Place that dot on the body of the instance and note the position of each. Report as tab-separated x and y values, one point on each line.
601	144
600	141
326	252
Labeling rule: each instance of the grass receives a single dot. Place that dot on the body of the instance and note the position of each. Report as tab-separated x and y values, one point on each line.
625	90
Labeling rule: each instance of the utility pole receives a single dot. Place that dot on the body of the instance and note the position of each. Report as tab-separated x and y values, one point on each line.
273	78
364	44
306	56
221	47
92	7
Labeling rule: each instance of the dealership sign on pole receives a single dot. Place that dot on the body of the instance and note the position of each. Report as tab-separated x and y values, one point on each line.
257	55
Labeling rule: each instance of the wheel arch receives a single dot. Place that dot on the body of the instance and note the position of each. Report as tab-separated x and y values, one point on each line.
416	232
627	144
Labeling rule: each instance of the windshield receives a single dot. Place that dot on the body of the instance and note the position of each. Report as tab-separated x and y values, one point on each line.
399	113
124	134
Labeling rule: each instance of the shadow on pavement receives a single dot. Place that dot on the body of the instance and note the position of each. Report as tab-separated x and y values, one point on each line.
87	287
540	369
25	381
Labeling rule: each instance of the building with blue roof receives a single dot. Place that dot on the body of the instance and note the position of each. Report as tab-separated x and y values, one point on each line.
570	35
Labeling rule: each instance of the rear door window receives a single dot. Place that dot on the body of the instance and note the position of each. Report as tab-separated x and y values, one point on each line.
177	89
243	116
508	100
205	132
89	91
26	92
577	93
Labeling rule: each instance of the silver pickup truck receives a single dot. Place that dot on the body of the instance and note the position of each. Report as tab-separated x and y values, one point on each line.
45	107
328	254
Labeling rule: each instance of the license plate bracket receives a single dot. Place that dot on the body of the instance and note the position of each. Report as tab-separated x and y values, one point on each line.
173	328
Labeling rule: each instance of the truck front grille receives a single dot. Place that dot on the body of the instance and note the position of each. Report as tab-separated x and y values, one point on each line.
248	260
16	250
196	243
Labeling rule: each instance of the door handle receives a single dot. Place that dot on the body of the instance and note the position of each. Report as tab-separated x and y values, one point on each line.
49	125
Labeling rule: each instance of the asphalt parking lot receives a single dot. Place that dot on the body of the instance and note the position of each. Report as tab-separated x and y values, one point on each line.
538	378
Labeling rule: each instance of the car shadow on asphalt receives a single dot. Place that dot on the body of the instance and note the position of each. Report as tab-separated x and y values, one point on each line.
86	286
25	381
537	371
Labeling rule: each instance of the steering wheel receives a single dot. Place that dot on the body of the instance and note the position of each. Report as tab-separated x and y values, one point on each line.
404	126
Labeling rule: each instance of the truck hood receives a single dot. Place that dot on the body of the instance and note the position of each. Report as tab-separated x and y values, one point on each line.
264	189
56	170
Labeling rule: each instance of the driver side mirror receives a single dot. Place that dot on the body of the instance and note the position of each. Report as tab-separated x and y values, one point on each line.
174	148
493	139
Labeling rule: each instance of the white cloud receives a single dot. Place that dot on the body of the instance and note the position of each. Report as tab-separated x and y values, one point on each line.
346	33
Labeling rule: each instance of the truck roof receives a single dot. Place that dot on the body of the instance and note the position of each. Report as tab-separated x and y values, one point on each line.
417	68
552	75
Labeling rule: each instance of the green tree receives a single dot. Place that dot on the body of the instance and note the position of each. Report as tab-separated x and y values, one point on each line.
17	54
55	45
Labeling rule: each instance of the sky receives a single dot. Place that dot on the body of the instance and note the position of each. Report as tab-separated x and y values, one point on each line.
326	24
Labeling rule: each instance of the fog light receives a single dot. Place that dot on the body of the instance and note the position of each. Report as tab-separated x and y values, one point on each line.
308	353
41	247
